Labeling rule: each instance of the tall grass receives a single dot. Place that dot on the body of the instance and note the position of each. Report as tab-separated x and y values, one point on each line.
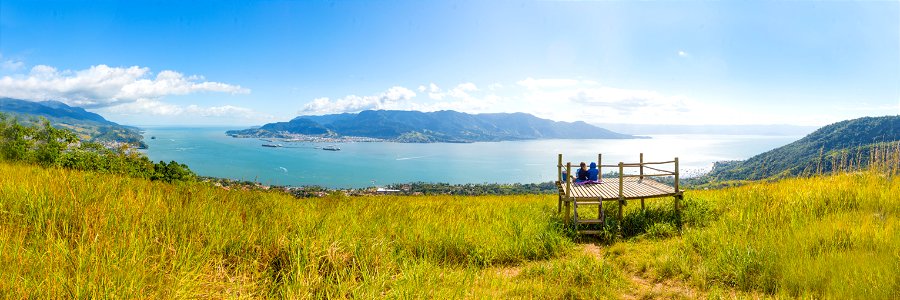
828	236
75	234
67	233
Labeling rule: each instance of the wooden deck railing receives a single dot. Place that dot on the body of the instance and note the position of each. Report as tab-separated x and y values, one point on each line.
631	190
621	166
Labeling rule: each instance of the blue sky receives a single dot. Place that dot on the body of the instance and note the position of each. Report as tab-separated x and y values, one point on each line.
247	62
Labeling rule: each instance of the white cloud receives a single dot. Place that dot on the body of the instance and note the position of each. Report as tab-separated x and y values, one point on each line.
558	99
627	100
390	99
434	92
543	83
467	87
104	86
461	91
683	54
159	108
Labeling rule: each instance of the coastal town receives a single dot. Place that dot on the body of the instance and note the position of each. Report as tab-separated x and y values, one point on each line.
283	136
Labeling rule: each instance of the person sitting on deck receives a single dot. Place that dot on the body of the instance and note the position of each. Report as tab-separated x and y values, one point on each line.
594	173
583	173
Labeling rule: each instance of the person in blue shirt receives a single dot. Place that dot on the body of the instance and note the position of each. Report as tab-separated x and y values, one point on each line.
583	174
594	173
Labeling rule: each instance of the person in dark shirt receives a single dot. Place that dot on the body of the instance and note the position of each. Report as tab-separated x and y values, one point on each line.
582	173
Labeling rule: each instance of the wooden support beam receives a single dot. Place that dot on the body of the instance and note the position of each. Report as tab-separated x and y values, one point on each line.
621	218
559	204
642	203
575	213
678	221
600	214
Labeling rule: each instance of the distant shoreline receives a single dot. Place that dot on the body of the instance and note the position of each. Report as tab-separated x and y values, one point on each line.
303	138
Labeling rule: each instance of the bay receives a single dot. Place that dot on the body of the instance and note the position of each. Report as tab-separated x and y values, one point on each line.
209	152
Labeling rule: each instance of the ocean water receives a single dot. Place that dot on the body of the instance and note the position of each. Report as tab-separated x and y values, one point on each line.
209	152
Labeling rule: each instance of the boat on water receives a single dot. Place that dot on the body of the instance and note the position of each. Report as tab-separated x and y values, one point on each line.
331	148
273	145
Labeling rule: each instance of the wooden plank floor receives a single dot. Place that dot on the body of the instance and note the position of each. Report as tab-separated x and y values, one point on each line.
632	188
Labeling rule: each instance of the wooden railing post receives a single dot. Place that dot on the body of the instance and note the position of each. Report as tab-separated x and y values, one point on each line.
568	179
642	167
559	181
559	168
568	188
621	181
676	175
678	197
599	164
621	193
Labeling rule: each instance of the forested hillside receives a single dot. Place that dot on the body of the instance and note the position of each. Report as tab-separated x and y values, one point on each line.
86	125
848	144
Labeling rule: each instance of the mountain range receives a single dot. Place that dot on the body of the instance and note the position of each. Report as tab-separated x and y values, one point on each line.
438	126
89	126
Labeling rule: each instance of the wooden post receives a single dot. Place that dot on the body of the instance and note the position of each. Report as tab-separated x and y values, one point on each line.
676	176
642	203
575	213
678	221
601	215
568	188
559	180
621	193
568	179
677	196
599	168
641	178
559	168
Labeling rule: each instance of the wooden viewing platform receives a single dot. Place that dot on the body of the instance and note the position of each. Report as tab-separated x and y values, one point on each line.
621	188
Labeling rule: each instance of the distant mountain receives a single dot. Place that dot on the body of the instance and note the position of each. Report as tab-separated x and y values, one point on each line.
709	129
439	126
88	125
839	144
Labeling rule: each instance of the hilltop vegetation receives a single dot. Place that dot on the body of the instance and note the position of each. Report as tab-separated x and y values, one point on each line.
847	144
86	125
425	127
68	233
48	146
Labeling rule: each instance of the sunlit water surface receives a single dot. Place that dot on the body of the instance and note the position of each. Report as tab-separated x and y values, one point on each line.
209	152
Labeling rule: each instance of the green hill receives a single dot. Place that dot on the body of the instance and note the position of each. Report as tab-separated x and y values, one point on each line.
439	126
846	144
87	125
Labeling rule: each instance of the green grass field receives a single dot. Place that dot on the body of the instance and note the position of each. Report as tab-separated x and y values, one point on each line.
78	234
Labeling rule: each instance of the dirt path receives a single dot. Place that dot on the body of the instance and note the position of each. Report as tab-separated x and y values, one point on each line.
642	287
